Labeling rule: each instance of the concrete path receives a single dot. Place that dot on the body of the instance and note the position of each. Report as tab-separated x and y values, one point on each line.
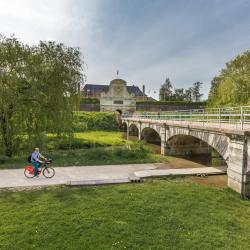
90	175
181	171
16	178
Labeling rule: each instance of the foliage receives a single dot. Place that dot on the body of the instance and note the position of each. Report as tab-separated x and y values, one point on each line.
195	91
39	89
166	90
213	90
86	121
232	86
156	214
130	153
191	94
181	103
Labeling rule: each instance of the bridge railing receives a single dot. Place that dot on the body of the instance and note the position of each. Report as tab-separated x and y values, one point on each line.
231	117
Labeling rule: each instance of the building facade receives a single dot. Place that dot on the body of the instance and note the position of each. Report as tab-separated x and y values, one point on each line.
117	98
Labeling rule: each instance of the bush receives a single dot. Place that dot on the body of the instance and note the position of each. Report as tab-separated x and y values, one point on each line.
132	151
87	121
169	103
4	159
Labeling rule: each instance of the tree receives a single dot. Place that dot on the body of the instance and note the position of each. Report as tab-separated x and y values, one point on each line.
188	95
232	86
179	94
213	90
195	90
39	88
13	66
166	90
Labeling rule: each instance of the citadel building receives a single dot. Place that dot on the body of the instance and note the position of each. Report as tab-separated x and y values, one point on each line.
116	96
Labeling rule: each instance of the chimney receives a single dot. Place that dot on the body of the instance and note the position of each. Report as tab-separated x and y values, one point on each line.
144	91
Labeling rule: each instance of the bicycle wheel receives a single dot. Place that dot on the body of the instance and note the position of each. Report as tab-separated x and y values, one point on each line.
48	172
28	172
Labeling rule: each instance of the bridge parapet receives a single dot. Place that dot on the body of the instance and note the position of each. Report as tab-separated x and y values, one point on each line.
237	118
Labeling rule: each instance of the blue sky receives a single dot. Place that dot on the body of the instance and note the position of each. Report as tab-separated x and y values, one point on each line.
147	41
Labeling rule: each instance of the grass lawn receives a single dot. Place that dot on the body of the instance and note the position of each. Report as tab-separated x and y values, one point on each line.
96	148
92	156
157	214
102	137
87	139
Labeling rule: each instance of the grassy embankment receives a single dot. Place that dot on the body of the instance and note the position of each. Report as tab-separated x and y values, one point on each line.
157	214
90	148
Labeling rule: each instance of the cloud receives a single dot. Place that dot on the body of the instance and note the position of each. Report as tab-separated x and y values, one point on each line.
147	40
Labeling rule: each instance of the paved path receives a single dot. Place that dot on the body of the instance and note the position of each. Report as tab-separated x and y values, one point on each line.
97	174
180	171
16	178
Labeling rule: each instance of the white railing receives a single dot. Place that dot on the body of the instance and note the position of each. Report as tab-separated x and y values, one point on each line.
229	117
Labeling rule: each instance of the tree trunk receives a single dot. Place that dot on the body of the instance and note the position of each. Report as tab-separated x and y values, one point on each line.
7	138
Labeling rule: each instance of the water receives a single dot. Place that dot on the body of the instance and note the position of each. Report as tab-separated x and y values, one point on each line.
213	159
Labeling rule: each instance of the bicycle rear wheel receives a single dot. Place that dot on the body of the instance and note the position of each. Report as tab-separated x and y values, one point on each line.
28	173
48	172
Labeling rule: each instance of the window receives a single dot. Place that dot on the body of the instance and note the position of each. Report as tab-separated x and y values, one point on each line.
118	102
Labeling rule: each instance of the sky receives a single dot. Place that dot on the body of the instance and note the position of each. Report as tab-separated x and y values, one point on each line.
147	40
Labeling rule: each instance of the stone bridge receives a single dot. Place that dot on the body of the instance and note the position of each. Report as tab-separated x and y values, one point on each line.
180	138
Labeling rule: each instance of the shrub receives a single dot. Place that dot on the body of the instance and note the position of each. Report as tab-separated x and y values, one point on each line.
86	121
169	103
4	159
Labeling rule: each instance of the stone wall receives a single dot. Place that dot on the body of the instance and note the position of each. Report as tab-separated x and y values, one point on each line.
90	107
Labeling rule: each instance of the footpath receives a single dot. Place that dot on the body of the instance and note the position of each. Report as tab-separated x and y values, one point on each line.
95	175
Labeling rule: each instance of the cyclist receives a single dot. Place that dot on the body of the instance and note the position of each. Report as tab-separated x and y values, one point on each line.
36	160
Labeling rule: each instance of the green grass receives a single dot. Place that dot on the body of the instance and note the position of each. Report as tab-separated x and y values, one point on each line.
90	148
105	138
160	214
88	139
131	153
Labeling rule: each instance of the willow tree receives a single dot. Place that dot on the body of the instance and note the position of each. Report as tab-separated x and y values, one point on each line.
232	86
39	90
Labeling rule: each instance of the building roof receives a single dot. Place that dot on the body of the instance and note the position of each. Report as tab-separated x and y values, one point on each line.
95	88
91	89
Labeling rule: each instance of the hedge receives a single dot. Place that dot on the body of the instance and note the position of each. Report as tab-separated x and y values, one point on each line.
87	121
181	103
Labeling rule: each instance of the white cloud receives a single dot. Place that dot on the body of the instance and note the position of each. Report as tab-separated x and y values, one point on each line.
184	43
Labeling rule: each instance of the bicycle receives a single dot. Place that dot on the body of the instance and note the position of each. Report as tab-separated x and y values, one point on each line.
47	171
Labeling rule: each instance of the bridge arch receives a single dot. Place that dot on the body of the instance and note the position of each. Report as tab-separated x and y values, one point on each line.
151	135
124	127
133	130
218	142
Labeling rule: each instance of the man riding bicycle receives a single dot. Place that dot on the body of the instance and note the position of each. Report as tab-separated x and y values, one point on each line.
36	160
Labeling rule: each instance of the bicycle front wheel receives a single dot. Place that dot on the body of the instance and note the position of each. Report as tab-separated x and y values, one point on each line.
48	172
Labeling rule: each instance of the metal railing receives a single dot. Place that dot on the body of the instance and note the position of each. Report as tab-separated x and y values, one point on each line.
226	117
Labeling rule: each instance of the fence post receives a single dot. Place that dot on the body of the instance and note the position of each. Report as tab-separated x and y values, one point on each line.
241	117
219	118
203	117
